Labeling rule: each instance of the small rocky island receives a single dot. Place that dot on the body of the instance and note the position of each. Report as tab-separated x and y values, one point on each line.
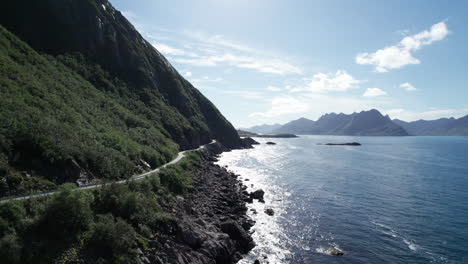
341	144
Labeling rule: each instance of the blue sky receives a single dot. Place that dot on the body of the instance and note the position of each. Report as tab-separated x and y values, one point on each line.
273	61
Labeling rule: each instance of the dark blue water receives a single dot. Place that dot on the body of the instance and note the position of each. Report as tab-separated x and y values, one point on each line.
391	200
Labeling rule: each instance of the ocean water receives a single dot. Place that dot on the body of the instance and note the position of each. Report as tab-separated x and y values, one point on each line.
391	200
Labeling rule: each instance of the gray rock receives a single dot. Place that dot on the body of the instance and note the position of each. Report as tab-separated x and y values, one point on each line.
336	252
192	236
258	194
237	233
269	212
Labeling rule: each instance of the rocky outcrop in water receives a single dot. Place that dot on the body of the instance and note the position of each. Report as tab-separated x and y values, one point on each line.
269	212
249	141
342	144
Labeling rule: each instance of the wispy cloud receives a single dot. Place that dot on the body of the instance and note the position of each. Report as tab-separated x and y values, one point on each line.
374	92
168	50
408	86
273	88
397	56
203	50
326	82
217	41
246	94
282	106
204	82
129	15
241	61
313	105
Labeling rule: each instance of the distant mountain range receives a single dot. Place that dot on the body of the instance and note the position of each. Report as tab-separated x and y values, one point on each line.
365	123
439	127
369	123
262	129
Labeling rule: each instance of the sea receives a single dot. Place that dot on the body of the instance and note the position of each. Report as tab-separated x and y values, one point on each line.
391	200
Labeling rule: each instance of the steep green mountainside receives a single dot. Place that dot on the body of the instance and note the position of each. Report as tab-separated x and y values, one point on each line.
84	96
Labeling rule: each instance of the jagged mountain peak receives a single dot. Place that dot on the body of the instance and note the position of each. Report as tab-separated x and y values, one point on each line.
370	122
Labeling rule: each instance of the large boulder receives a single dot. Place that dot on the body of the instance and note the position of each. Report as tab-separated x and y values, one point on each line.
269	212
258	194
237	233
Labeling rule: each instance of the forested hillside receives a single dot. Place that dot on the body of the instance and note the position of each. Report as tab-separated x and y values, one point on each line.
85	97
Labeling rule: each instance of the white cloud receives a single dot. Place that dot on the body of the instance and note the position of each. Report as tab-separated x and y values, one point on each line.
241	61
188	74
408	115
273	88
282	106
394	57
129	15
408	86
217	40
313	105
324	82
203	50
168	50
245	94
204	81
373	92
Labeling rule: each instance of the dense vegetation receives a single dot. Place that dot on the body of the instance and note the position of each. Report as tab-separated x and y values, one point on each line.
103	225
84	97
52	120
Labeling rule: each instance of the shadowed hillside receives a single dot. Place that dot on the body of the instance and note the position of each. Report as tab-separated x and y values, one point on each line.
84	96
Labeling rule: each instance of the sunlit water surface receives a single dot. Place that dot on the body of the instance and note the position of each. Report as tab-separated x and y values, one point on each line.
391	200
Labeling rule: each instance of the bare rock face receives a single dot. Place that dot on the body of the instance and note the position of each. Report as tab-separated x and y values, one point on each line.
238	233
210	224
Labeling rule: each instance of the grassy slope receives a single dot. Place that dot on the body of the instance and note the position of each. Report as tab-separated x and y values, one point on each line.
51	117
84	96
104	225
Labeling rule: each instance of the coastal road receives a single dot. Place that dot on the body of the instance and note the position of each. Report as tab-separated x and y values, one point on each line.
180	155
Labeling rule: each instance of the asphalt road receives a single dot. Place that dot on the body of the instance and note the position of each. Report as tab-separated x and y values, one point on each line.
180	155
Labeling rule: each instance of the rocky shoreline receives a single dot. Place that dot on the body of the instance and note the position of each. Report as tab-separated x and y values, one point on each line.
210	224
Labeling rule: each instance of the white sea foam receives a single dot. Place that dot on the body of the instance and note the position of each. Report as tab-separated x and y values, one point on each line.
411	245
389	231
386	229
271	240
